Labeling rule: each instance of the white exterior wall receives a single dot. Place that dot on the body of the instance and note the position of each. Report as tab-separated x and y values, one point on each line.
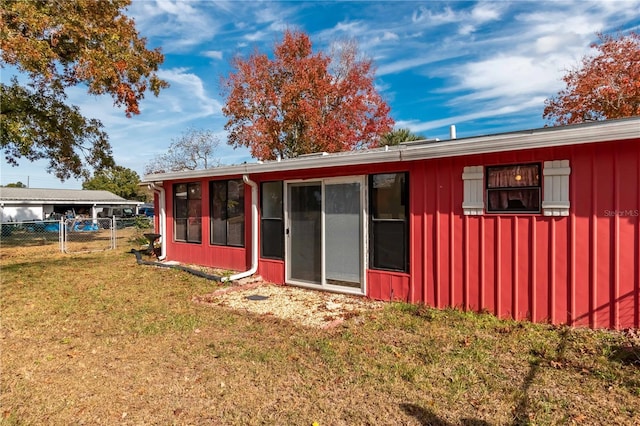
21	213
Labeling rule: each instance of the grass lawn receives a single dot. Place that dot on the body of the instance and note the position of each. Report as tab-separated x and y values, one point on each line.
98	339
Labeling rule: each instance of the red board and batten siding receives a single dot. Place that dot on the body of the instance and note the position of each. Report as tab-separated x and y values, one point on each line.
205	253
581	269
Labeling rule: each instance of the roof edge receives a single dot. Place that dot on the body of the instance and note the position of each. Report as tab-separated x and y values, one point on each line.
584	133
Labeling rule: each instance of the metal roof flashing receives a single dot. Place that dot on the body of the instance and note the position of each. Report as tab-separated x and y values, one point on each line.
593	132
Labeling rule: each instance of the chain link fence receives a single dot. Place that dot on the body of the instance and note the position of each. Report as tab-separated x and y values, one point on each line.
77	235
88	235
129	232
32	233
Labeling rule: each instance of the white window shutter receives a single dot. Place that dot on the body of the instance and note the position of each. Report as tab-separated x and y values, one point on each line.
473	203
556	188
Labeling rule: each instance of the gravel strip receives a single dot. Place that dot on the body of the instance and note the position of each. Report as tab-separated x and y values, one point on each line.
307	307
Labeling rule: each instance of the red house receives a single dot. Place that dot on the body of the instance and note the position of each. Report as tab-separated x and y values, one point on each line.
540	225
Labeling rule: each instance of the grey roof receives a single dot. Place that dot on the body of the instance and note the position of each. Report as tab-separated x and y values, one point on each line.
71	196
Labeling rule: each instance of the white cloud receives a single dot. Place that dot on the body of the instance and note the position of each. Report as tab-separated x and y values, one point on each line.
522	62
389	35
481	12
255	36
213	54
185	82
480	113
466	29
507	76
403	65
172	7
179	25
487	11
425	15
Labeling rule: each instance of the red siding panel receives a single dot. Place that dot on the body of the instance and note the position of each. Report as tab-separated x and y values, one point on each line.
272	270
416	239
625	292
490	282
386	285
541	289
580	193
581	269
232	258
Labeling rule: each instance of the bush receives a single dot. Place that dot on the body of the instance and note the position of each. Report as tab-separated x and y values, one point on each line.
142	222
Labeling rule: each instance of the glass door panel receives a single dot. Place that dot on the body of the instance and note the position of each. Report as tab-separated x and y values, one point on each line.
343	234
305	228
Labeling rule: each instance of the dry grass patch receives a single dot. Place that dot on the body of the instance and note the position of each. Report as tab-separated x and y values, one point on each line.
98	339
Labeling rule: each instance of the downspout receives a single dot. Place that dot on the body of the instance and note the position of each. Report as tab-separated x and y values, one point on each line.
254	233
162	219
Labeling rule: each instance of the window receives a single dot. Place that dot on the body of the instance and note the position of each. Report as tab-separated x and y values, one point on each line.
272	224
187	212
227	212
513	188
389	225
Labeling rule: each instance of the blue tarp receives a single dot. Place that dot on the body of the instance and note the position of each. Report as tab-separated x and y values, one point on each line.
85	225
52	227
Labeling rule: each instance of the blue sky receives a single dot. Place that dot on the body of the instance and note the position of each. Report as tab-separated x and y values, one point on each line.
486	67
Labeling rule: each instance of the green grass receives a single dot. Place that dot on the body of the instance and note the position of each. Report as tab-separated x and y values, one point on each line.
98	339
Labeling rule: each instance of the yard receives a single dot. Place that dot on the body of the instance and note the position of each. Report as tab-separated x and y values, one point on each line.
99	339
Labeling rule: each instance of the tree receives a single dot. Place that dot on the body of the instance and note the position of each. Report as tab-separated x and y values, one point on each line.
397	136
37	125
60	44
606	86
193	150
17	184
301	102
118	180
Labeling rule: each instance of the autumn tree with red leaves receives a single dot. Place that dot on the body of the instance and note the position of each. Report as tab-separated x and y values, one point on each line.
302	102
607	85
59	44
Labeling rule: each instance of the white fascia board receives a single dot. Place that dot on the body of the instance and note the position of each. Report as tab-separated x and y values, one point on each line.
602	131
70	202
542	138
22	202
331	160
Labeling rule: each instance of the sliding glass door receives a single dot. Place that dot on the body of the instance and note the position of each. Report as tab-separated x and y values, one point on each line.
325	229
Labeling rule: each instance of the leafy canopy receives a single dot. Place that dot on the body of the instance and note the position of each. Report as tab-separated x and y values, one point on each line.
300	102
193	150
57	45
397	136
17	184
606	86
118	180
